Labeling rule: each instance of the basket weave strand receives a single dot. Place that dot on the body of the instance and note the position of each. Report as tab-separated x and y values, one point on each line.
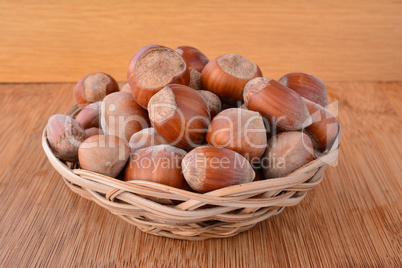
216	214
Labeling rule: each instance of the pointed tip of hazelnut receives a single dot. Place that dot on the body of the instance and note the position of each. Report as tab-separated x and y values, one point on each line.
254	86
194	168
162	106
212	100
179	50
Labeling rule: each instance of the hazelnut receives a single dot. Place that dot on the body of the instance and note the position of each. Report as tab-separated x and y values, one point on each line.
213	102
94	87
152	68
243	106
281	106
195	79
89	132
160	163
89	116
104	154
208	168
180	115
126	88
240	130
122	116
145	138
286	152
194	58
307	86
65	136
324	127
227	75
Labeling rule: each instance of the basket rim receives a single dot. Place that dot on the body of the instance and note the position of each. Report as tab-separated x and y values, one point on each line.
228	195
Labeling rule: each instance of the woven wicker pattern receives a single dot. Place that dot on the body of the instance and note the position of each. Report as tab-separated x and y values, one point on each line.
217	214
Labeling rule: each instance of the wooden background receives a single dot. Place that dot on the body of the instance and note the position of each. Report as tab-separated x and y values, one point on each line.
352	219
61	41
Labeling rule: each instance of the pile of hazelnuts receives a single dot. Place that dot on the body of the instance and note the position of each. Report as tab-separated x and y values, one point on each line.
192	123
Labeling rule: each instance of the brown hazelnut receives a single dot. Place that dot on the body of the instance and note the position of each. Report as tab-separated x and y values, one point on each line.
307	86
286	152
194	58
213	102
89	116
146	138
160	163
104	154
243	106
227	75
152	68
122	116
281	106
195	79
180	115
240	130
208	168
126	88
65	136
324	127
89	132
94	87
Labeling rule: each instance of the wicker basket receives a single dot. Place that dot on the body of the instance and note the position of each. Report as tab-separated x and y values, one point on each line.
229	211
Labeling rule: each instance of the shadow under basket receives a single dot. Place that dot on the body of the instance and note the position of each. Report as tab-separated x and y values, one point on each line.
216	214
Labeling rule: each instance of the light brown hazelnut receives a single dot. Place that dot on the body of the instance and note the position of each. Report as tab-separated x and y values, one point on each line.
146	138
89	132
89	116
126	88
104	154
286	152
122	116
240	130
64	135
94	87
213	102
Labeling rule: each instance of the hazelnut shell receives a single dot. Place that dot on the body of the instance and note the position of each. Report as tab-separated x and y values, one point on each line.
145	138
152	68
227	75
94	87
64	135
89	116
281	106
193	57
208	168
286	152
324	127
307	86
240	130
180	115
104	154
122	116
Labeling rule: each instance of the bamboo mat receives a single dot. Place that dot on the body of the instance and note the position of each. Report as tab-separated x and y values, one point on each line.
352	219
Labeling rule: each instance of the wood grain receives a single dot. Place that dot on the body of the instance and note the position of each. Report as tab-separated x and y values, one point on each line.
61	41
352	219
